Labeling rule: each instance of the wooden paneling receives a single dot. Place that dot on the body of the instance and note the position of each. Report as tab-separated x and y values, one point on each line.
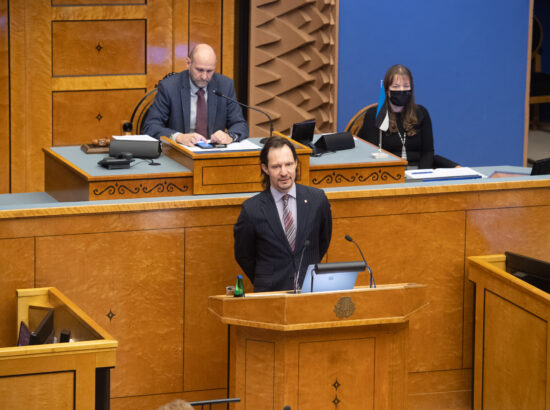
53	50
99	114
514	376
98	47
4	100
137	277
207	255
259	374
16	271
49	391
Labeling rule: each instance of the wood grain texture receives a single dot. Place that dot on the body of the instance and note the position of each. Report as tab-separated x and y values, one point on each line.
41	391
406	233
511	340
143	294
17	266
81	48
205	25
4	101
99	114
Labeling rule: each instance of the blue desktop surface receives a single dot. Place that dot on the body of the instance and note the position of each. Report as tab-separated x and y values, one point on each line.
88	163
362	153
41	200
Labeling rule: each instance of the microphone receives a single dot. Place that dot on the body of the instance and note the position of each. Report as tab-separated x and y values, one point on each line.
297	275
263	140
372	284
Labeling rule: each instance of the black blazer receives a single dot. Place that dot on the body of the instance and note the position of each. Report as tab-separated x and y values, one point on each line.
261	247
171	109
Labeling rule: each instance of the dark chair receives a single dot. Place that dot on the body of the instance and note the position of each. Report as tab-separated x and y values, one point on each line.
209	403
539	91
134	125
356	123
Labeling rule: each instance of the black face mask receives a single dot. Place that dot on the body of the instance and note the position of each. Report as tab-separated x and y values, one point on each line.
400	98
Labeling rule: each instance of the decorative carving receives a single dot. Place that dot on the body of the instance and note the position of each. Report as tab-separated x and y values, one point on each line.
98	47
99	116
336	401
293	63
110	315
374	176
122	189
344	308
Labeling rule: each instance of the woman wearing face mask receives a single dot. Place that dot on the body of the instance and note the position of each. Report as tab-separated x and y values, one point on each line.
410	134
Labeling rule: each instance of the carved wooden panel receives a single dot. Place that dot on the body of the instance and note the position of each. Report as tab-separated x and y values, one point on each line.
98	47
4	101
293	54
80	116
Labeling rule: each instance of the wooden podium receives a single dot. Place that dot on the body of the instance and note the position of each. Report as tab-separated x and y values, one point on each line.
331	350
59	376
512	338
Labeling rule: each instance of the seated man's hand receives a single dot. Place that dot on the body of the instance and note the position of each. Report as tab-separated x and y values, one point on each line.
189	139
220	137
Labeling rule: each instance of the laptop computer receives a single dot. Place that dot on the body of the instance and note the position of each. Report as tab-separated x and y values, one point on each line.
337	277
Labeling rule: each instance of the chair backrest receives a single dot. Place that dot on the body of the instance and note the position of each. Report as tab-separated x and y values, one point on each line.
141	109
356	122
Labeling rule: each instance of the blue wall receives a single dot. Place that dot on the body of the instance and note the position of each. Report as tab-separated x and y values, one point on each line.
468	59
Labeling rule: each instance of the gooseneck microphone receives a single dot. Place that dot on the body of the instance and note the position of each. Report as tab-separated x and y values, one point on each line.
297	274
372	284
219	94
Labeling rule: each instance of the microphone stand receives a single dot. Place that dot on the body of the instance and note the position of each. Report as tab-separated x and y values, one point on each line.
297	275
371	278
263	140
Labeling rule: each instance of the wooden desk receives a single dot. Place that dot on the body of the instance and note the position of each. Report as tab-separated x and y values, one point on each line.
226	172
71	175
318	350
512	338
156	262
57	376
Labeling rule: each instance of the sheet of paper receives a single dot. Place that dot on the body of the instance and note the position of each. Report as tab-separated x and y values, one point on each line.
244	145
443	173
134	138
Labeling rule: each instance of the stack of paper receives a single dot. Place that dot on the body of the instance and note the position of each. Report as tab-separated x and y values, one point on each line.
443	174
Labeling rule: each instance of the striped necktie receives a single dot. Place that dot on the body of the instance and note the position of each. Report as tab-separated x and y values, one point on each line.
290	225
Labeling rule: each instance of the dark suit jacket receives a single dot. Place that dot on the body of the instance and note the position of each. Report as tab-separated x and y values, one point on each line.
261	247
171	109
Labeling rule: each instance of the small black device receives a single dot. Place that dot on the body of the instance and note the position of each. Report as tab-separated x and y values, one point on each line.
65	336
44	331
147	149
303	131
530	270
204	145
335	142
215	145
122	161
541	167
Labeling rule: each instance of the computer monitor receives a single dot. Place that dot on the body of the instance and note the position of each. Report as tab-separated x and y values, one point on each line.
541	167
530	270
328	277
303	131
44	331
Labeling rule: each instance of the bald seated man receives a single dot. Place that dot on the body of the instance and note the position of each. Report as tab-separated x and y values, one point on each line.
187	110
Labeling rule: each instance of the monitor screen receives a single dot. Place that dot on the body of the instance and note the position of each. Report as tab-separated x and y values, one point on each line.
24	335
329	277
303	131
530	270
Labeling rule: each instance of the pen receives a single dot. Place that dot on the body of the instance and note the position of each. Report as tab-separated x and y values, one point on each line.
421	172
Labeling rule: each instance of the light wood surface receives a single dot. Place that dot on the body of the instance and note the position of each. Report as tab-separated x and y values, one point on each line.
303	350
102	255
61	375
511	362
77	69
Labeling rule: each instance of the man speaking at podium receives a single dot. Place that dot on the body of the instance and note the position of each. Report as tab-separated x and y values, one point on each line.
187	110
284	228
